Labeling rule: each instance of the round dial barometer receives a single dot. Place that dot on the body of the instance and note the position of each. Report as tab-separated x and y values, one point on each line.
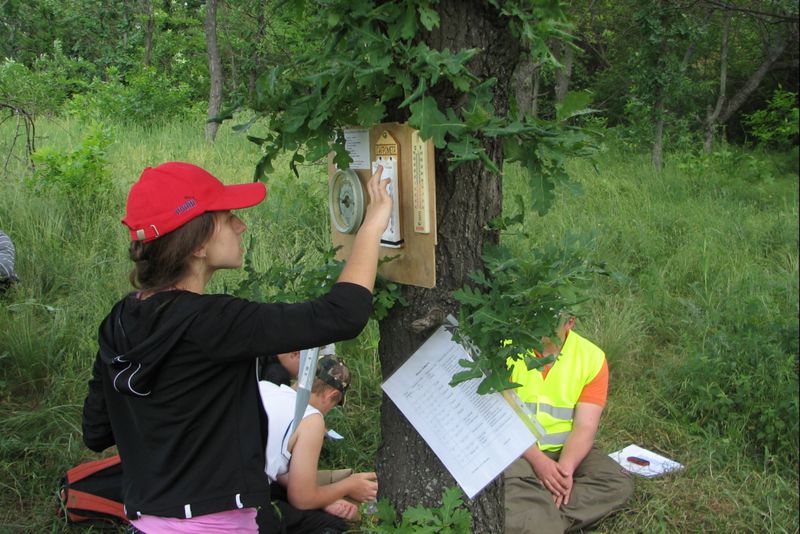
346	201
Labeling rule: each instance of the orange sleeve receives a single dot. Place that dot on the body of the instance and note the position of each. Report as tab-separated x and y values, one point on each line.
596	391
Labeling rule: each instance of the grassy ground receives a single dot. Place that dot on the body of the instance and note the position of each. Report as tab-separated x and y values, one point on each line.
700	329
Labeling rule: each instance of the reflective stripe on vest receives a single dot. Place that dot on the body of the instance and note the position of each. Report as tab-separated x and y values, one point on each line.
552	400
557	413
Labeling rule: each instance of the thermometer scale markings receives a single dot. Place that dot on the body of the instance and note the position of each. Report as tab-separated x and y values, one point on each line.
419	161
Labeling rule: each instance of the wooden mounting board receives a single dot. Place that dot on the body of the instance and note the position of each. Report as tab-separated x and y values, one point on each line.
416	261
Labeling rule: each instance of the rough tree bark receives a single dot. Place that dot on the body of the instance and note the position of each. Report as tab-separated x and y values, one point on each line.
526	86
466	199
523	85
566	56
214	69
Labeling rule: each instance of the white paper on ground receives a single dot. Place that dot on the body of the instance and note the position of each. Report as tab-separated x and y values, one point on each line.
658	464
332	434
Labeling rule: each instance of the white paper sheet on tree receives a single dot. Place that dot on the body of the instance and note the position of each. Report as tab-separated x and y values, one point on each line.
356	142
475	436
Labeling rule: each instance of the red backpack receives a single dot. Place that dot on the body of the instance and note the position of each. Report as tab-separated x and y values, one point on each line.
92	492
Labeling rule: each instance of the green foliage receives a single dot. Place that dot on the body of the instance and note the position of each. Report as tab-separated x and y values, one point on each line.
144	96
91	29
79	175
450	518
374	60
179	51
516	302
37	91
749	166
297	281
777	125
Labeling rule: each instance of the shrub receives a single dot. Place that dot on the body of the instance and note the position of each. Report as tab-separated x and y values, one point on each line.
79	175
144	96
31	91
776	126
44	87
451	518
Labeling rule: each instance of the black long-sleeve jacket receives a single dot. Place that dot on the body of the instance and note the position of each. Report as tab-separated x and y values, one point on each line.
174	386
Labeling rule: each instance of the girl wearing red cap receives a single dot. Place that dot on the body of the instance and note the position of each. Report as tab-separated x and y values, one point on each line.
174	383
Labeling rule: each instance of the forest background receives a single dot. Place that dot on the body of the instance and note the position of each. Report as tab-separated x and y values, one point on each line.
690	199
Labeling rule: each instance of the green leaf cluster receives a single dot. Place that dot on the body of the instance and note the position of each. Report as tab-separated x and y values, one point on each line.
514	303
300	280
142	96
777	124
79	176
450	518
374	62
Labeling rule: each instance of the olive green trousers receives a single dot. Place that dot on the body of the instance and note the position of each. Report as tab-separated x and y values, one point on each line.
600	486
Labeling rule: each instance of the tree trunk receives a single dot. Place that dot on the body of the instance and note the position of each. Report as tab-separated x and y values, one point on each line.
149	28
713	115
524	84
258	60
659	105
775	50
467	197
657	156
214	69
566	57
537	79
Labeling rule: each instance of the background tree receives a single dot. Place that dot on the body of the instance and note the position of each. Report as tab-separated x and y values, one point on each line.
775	29
214	70
149	29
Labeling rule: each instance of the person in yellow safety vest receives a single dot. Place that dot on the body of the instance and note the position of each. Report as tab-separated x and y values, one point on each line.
563	482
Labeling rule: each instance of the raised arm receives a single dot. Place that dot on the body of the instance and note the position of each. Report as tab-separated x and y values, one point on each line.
362	265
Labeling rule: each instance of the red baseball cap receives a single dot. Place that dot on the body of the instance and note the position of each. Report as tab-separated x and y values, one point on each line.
170	195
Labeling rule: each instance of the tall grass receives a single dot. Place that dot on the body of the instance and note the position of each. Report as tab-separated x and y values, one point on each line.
709	263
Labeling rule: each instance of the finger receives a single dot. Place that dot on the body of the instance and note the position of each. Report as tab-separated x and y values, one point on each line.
562	488
551	487
379	190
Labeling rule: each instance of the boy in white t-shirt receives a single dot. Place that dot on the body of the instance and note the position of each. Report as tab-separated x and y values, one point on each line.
292	459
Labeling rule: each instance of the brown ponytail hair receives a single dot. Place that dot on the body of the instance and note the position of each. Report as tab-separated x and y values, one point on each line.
161	263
